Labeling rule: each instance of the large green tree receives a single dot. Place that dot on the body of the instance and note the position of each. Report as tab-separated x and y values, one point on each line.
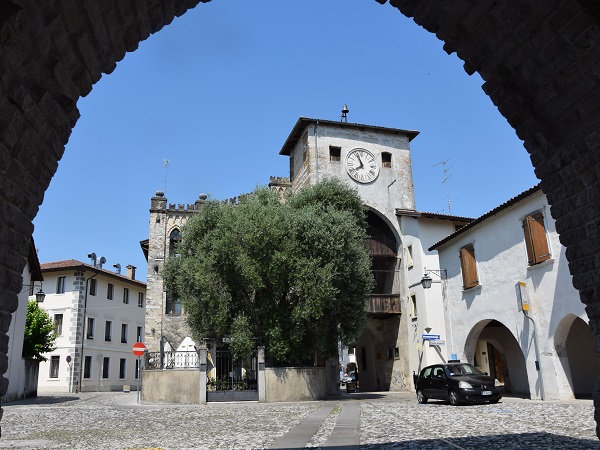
294	273
39	333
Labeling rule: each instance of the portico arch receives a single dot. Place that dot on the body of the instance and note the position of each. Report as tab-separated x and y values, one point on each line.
538	60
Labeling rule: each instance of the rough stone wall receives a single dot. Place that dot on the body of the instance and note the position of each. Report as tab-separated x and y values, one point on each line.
538	59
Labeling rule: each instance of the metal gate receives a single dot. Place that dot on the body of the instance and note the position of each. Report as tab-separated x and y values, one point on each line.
233	380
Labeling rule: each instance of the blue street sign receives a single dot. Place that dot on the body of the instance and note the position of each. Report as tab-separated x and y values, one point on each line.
430	337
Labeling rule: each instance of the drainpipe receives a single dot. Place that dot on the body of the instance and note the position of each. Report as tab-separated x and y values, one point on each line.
83	330
538	362
316	153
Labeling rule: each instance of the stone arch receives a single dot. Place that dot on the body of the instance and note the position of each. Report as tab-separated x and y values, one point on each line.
538	60
577	368
492	347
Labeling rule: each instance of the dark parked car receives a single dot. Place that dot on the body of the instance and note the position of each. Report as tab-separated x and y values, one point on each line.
457	383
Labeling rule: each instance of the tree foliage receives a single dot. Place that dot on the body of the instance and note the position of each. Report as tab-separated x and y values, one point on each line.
39	333
293	273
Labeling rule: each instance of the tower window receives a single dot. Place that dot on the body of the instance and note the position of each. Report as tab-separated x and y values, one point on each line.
386	160
334	153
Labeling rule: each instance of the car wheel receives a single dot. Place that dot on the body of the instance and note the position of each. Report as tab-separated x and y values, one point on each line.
495	400
421	397
453	398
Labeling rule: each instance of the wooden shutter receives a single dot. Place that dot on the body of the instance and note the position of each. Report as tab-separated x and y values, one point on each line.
468	266
535	239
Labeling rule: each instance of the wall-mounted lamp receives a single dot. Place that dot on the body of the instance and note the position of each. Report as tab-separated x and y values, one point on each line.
427	280
39	295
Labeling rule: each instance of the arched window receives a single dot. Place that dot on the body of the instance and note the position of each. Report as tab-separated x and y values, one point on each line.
174	240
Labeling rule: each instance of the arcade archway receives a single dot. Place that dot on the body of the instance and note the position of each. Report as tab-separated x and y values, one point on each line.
538	61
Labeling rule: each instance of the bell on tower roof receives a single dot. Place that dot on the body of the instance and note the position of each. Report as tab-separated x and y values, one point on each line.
345	111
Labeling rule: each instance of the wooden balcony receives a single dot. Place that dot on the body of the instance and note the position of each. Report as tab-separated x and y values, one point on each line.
383	305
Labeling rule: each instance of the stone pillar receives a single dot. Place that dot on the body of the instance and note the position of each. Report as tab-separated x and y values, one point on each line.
261	377
203	359
332	376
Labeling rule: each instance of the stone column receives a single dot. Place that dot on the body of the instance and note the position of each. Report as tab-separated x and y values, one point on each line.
261	377
203	358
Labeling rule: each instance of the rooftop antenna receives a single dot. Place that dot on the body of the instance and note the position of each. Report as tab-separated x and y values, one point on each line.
166	165
445	181
345	111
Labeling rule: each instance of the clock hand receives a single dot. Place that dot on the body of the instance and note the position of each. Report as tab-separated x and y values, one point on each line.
360	161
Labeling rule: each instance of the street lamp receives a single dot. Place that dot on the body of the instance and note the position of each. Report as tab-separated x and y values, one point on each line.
427	280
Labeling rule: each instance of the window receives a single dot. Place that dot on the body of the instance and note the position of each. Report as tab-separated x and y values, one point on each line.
173	305
334	153
124	333
61	283
413	307
108	331
105	367
174	240
122	364
386	160
137	368
90	328
535	238
93	285
58	321
139	334
126	296
54	363
87	367
141	299
468	266
409	256
110	291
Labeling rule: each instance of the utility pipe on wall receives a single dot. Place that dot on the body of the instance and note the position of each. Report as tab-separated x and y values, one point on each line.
538	362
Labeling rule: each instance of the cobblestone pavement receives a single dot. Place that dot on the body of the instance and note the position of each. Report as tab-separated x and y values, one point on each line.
388	421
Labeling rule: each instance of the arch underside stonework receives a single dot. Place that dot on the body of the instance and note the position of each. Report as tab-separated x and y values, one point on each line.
538	58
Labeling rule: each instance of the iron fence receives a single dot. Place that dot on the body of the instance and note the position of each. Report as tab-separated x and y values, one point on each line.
172	360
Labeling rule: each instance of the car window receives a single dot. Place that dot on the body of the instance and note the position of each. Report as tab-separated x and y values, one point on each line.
462	369
426	372
438	372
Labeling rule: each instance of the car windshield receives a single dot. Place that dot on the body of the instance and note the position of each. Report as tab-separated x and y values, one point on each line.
462	369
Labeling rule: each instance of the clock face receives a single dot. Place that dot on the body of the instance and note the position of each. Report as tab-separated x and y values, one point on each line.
361	165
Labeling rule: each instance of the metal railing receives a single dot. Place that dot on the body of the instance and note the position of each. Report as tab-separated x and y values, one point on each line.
172	360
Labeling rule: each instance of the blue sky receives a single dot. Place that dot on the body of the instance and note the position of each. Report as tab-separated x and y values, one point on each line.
218	91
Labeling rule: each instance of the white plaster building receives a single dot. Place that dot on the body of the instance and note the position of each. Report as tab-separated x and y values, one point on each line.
97	357
425	307
513	253
22	374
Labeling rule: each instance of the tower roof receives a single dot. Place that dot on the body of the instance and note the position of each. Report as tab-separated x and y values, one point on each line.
303	122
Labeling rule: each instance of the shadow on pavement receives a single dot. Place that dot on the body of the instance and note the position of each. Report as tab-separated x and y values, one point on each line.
43	400
503	441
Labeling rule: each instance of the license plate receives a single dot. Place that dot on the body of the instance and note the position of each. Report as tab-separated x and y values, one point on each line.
486	392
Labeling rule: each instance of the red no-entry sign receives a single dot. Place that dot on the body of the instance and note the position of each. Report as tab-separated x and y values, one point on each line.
138	349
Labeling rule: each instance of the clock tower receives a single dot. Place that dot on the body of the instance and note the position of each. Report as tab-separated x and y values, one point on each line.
376	162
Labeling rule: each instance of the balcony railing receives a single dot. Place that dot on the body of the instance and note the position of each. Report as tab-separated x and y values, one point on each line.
172	360
383	304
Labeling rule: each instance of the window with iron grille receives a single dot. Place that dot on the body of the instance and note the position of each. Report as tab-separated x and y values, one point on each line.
535	238
468	266
54	365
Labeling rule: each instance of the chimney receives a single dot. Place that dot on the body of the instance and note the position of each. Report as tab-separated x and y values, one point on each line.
131	272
